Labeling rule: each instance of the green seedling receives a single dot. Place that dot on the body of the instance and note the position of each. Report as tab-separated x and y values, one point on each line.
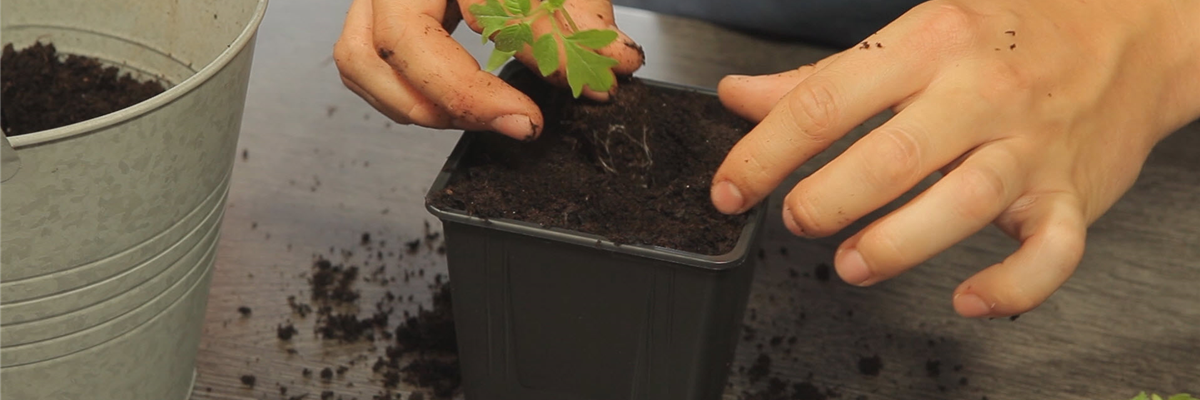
508	25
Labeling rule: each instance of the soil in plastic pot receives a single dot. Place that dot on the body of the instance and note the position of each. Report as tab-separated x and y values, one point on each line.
635	170
43	90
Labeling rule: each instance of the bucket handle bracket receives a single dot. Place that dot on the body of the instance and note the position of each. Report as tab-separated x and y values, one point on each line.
10	163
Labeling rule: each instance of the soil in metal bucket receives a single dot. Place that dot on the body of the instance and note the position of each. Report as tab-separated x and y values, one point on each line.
44	90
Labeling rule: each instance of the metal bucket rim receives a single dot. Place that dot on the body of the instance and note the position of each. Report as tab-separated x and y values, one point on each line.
136	110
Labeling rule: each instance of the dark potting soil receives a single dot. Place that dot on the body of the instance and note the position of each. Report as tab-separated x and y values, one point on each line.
870	366
760	369
822	272
41	90
285	332
636	170
422	351
430	337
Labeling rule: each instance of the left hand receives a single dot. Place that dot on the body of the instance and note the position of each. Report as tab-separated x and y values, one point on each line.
1039	113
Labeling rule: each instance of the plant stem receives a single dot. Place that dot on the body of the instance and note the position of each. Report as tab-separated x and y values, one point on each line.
533	16
570	21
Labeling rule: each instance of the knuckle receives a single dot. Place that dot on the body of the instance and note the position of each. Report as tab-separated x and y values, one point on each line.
344	54
1068	238
808	218
981	188
948	24
348	82
894	155
814	108
884	251
1018	300
387	36
1011	295
460	105
1002	82
424	115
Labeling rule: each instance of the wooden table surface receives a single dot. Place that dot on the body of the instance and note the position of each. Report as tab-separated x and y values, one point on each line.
321	167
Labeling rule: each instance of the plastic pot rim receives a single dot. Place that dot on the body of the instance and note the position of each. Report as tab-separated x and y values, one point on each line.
731	259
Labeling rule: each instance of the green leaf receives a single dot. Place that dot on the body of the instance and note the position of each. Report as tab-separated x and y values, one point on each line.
1141	396
498	58
517	7
1155	397
490	8
1182	396
491	25
513	37
556	3
593	38
586	68
545	51
491	16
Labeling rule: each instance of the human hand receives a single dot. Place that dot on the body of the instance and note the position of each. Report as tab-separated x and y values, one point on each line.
1039	114
398	56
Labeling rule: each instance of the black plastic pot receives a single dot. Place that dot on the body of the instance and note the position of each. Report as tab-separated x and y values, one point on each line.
551	314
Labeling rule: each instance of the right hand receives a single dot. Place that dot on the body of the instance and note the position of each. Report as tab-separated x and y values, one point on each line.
398	56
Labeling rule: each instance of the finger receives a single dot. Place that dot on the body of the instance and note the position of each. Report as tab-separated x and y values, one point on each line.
820	109
409	37
545	26
884	164
364	73
365	95
1052	244
752	97
955	207
598	14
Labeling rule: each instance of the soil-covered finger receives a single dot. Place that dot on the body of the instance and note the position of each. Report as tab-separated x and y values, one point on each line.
409	37
366	74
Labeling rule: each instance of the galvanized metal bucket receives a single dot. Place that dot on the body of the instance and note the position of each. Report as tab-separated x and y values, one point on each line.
108	227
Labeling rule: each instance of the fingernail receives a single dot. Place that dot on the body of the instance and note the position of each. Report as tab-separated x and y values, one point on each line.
599	96
727	198
515	125
852	268
790	222
971	306
737	80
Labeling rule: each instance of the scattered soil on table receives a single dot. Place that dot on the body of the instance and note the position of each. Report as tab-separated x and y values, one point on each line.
42	90
285	332
822	272
428	341
333	282
636	170
870	366
760	369
421	349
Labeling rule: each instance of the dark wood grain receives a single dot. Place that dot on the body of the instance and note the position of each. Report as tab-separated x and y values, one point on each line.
322	167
